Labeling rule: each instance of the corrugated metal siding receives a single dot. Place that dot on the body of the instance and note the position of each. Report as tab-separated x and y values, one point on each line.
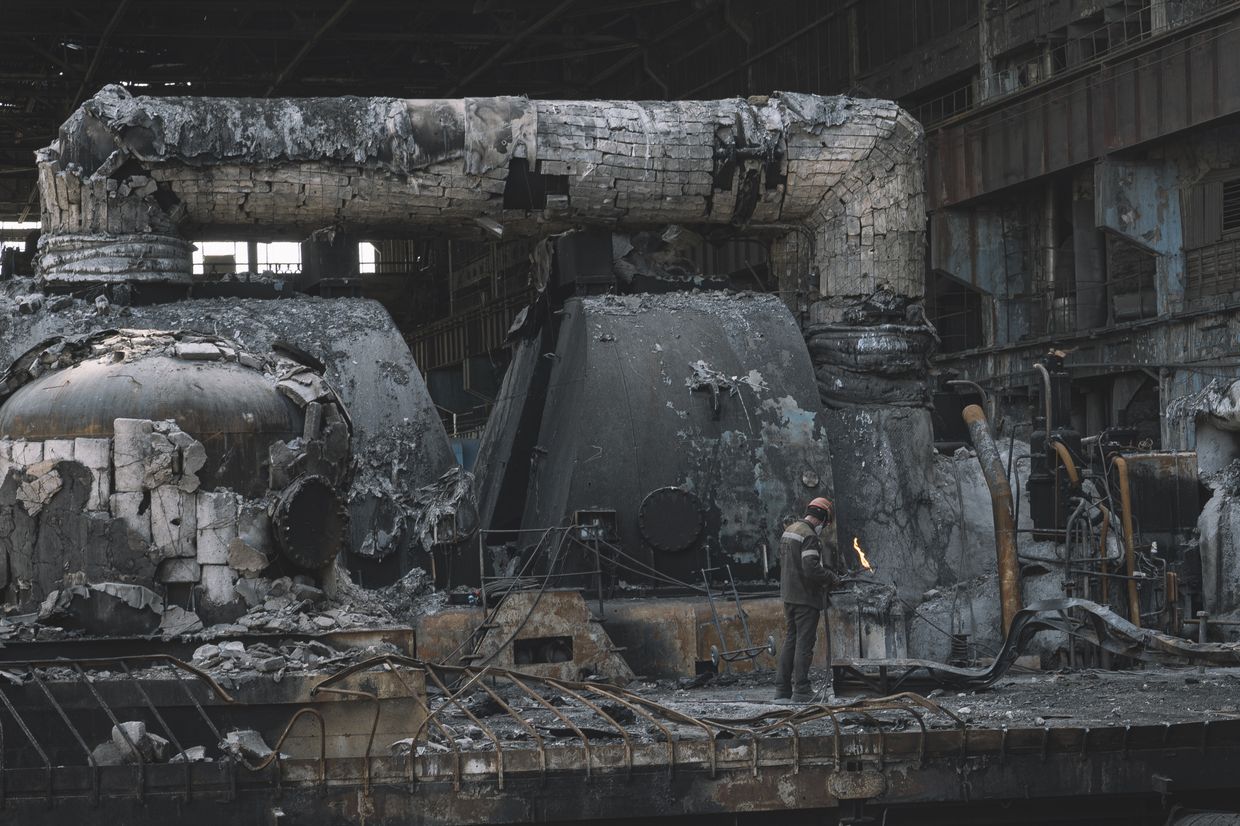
1203	214
1173	84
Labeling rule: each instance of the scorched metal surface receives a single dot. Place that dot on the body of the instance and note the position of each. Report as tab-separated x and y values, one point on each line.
708	394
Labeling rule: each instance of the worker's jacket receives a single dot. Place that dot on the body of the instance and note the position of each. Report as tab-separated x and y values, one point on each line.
805	576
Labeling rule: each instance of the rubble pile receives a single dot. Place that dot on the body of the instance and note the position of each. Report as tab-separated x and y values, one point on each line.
296	605
133	742
230	661
410	597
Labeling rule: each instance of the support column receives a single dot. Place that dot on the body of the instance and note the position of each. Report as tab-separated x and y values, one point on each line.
1089	262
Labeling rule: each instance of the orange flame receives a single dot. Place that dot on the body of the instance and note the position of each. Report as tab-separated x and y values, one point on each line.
865	563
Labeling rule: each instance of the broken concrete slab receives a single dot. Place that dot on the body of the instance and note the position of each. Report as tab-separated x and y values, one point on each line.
217	584
308	593
193	754
269	665
313	421
131	447
285	460
198	351
193	459
94	453
96	456
162	464
131	508
247	744
106	754
245	558
41	483
206	652
254	527
177	621
105	609
55	450
304	388
174	521
136	744
336	442
26	453
178	569
253	590
216	525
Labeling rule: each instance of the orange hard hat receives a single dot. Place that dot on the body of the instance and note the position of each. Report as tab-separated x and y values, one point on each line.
823	504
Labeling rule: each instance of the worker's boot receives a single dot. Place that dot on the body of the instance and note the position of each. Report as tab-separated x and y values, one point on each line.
802	698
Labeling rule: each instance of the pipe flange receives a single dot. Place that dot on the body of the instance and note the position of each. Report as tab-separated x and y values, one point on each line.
311	522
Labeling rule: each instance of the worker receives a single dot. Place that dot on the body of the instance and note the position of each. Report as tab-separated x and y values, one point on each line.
807	556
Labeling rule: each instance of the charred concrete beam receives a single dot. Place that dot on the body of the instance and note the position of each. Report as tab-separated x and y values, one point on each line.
839	179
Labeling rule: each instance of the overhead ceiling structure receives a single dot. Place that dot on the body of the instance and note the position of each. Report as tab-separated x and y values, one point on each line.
57	53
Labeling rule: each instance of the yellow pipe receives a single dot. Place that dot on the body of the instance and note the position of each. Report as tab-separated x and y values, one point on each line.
1102	553
1061	450
1001	506
1130	553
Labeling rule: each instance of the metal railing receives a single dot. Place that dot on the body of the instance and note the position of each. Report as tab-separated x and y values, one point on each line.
596	715
47	725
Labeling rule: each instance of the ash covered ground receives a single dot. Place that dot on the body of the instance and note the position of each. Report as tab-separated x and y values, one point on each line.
1087	698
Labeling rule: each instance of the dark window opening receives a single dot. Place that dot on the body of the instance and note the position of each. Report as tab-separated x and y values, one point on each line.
1143	413
955	309
526	189
535	650
1130	280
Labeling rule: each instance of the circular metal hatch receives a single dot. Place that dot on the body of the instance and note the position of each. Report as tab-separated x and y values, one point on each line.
671	519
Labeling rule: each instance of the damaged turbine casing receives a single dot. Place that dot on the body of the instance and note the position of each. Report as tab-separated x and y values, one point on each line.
171	461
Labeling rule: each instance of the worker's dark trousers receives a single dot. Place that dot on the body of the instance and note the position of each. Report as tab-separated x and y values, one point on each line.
798	650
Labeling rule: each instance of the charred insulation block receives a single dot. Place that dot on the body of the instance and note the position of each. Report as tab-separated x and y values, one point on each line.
693	417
